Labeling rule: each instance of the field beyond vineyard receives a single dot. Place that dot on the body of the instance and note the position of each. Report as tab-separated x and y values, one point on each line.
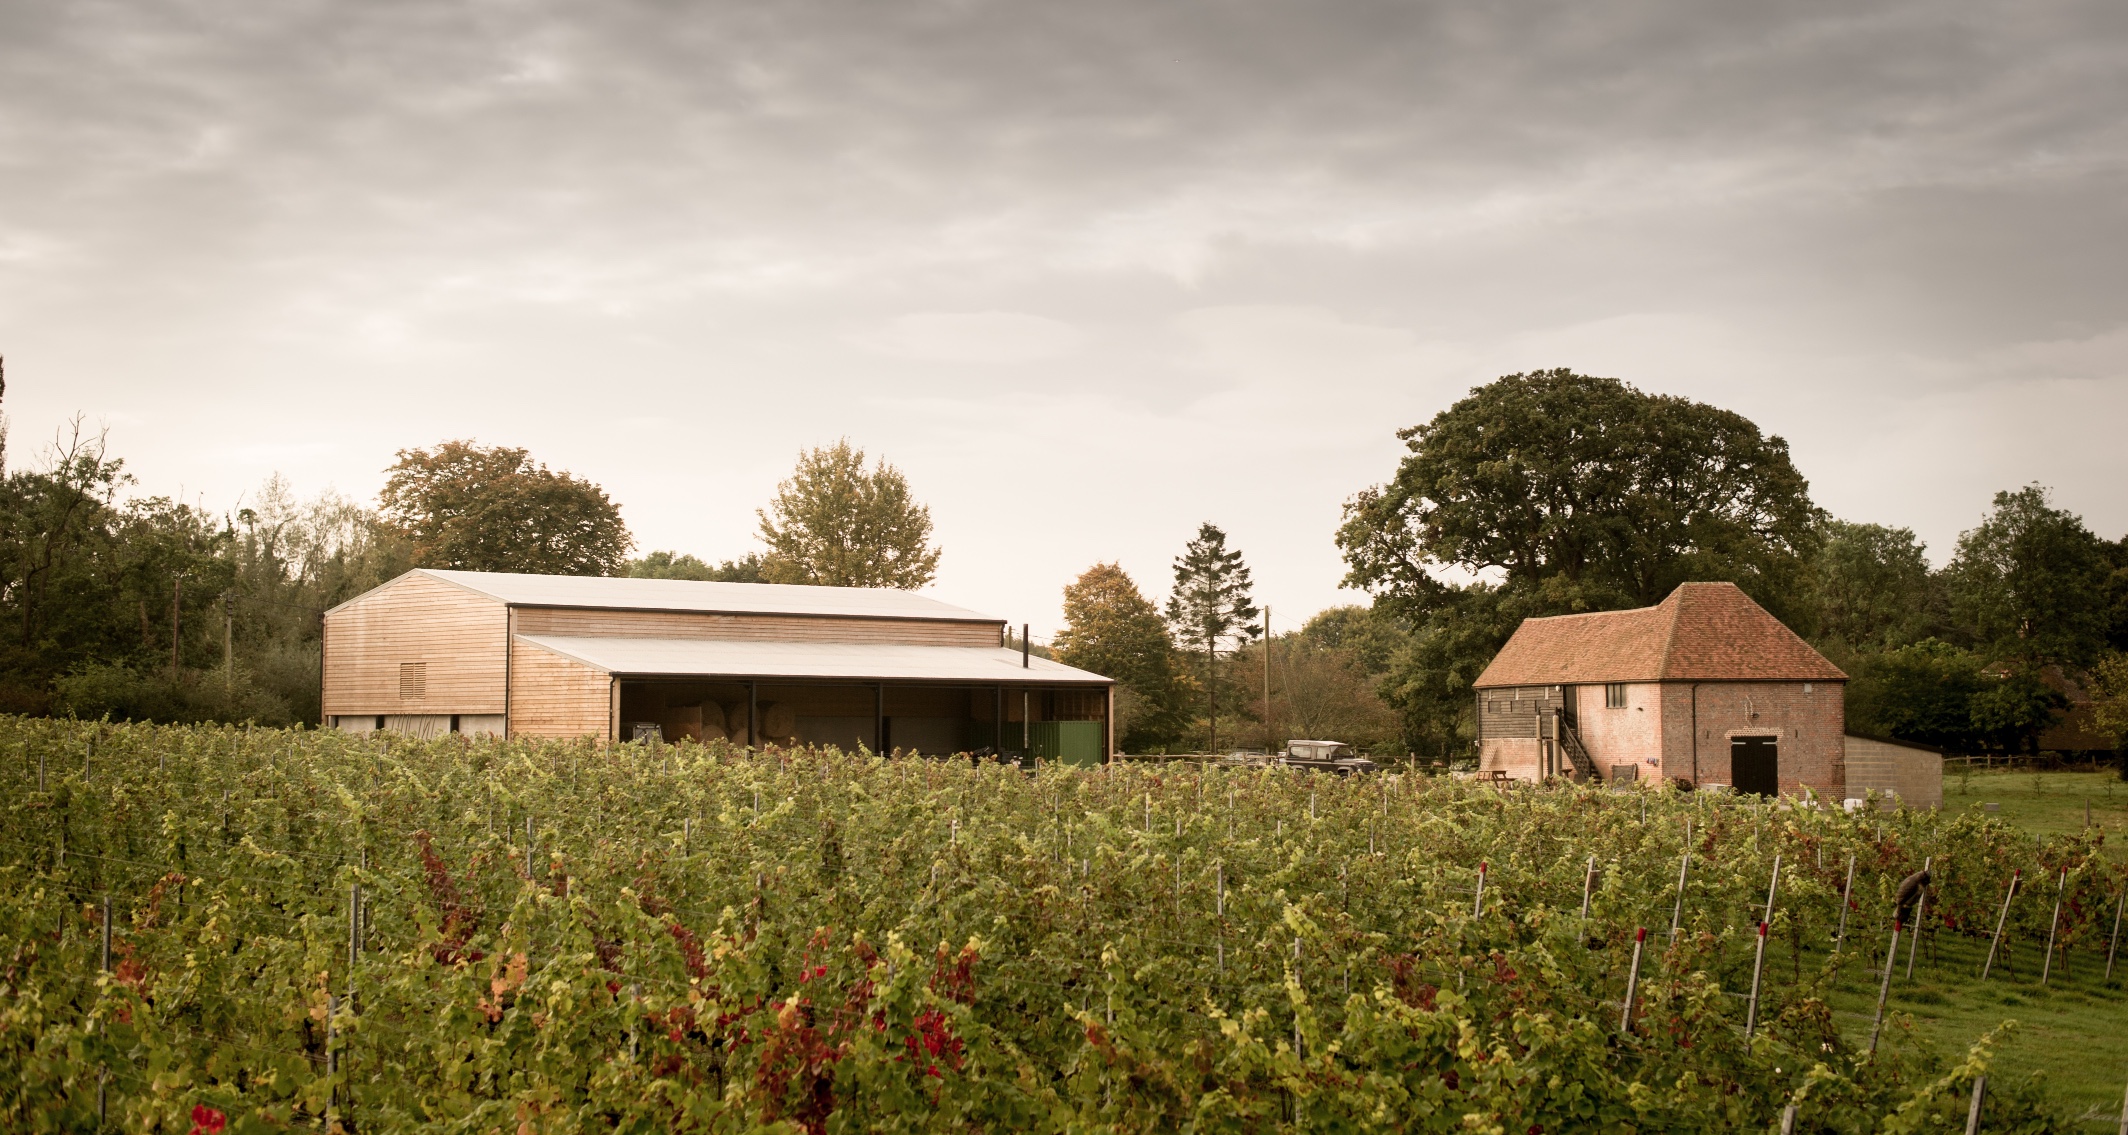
323	931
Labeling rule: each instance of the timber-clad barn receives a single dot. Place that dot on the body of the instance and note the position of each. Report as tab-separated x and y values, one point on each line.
1706	688
435	652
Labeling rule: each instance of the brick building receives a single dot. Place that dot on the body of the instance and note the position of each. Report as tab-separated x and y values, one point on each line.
1704	687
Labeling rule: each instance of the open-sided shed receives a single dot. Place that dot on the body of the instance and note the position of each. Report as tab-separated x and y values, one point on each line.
564	656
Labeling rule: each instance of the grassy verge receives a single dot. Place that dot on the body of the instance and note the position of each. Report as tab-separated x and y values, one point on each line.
2073	1031
2046	803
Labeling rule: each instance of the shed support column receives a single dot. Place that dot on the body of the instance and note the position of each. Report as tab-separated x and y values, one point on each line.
997	719
1108	715
1477	729
509	678
879	717
753	714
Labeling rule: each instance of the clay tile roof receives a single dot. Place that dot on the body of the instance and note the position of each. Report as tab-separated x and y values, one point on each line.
1704	632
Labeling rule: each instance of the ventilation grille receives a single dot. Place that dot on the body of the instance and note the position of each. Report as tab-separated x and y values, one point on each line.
413	681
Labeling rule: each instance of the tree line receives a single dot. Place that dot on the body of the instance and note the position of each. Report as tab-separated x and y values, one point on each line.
1556	493
150	608
1536	494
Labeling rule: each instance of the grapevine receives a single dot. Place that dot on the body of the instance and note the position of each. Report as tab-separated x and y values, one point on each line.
371	933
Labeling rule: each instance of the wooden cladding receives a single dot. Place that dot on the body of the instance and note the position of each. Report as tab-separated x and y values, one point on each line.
553	696
422	645
453	639
1514	711
584	623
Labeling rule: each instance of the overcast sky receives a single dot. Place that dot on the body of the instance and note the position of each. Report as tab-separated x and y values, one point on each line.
1090	273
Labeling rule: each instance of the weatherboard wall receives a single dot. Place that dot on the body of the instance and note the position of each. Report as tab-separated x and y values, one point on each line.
429	647
554	696
454	636
590	623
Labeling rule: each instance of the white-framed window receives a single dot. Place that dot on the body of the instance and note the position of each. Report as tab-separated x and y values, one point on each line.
1614	695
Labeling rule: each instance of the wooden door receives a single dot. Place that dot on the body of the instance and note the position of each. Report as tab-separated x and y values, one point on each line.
1755	765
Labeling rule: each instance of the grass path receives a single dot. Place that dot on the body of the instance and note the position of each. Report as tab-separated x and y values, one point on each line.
2074	1031
2047	803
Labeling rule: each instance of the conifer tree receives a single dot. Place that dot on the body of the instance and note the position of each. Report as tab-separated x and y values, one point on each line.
1211	604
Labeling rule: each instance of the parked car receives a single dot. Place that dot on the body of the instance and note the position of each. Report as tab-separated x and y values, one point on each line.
1319	756
1325	756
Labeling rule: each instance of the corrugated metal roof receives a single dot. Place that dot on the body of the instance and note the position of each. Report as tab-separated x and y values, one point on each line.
698	595
980	665
1703	632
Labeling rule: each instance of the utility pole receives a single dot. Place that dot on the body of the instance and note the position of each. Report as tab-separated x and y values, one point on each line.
1270	733
228	642
177	600
1211	689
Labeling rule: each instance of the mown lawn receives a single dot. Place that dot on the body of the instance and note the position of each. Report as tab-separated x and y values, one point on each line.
2073	1031
2046	803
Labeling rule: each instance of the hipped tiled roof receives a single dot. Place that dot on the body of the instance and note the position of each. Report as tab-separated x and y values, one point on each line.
1704	632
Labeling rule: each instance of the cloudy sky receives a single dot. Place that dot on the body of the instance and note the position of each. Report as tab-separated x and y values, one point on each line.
1090	273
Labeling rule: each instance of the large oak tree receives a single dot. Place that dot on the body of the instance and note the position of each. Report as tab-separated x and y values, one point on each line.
1559	492
477	508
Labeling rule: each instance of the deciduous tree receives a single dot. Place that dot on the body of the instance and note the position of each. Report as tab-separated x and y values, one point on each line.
2109	706
836	523
1940	694
1566	493
2031	583
675	565
477	508
1324	680
1112	629
1872	587
1559	477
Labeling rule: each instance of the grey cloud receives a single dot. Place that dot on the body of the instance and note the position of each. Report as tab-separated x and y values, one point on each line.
465	125
810	217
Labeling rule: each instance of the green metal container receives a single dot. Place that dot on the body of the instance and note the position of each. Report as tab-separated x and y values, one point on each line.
1067	742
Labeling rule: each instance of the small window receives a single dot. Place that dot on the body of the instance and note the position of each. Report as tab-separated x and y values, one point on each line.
1614	695
413	681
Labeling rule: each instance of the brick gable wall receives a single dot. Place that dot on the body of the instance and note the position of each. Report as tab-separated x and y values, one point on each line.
1810	725
1627	735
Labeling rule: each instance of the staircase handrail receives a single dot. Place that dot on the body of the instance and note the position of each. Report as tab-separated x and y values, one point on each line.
1570	742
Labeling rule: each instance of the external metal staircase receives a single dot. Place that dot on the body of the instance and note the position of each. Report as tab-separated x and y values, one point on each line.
1570	743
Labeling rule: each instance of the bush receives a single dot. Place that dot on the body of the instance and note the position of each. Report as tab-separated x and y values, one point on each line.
122	693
